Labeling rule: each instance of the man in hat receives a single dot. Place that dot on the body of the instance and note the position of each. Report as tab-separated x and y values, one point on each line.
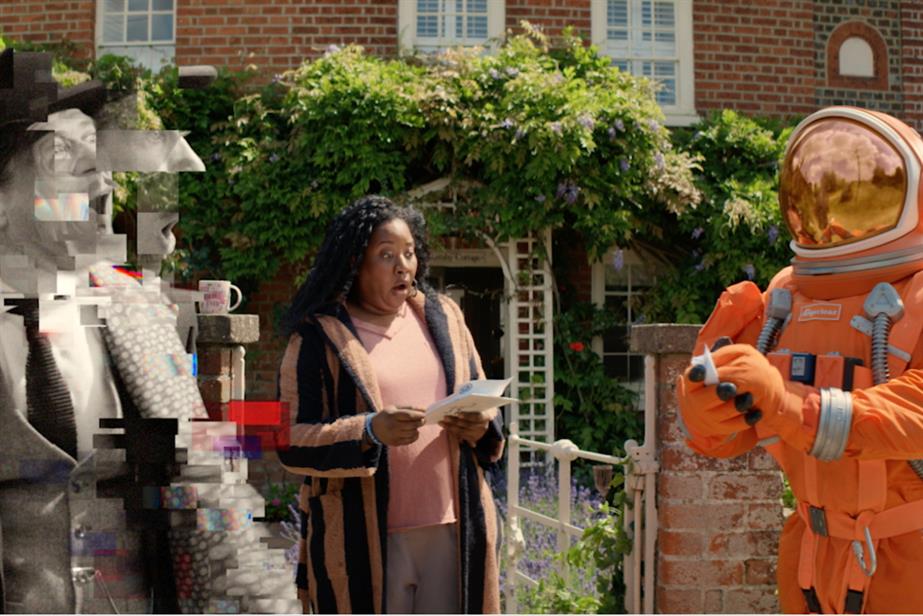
97	392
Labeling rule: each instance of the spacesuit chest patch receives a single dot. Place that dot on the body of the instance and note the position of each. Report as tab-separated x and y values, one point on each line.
822	311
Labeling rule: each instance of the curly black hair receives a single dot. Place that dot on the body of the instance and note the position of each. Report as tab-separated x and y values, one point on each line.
340	256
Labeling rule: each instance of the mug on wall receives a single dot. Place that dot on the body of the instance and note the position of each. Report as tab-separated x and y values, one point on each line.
218	296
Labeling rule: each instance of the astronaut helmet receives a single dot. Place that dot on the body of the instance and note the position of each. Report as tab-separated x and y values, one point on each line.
849	193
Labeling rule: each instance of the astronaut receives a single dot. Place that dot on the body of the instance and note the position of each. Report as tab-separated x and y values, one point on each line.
823	369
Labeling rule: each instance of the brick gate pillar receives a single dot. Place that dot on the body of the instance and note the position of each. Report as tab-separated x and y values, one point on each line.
719	519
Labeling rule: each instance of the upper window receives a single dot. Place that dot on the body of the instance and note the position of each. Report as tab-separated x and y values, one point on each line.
430	25
144	30
651	38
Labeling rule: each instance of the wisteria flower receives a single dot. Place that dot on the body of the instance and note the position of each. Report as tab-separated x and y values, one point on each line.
276	78
658	161
624	165
331	49
618	124
749	270
699	266
520	133
273	158
772	234
507	123
512	71
540	198
612	133
586	122
618	260
654	125
555	127
494	73
216	157
697	233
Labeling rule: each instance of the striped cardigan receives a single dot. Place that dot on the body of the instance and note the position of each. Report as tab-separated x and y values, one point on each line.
328	382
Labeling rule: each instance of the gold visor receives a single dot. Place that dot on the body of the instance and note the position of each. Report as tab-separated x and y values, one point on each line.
841	182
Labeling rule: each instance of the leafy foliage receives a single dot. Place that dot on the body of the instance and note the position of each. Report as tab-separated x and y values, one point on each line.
736	232
528	138
593	410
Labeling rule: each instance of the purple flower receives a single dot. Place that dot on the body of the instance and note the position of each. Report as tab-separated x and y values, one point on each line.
555	127
540	198
619	125
749	270
658	160
571	194
618	261
511	71
772	234
624	165
612	133
216	157
562	188
699	266
520	133
276	502
654	125
273	158
276	78
494	73
507	123
697	233
331	49
586	122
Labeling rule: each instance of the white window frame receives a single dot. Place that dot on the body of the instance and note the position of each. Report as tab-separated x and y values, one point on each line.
142	52
408	41
598	297
683	112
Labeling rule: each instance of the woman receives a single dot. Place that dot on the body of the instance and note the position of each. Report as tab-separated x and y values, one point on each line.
396	515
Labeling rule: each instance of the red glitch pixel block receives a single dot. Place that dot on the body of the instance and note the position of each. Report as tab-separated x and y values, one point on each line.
266	419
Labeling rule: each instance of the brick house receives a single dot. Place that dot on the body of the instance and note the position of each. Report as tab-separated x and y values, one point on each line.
772	58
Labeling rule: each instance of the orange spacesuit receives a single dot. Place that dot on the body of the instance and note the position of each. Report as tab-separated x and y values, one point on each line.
826	367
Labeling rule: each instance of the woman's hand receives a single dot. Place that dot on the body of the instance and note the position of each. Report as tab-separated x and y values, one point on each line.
468	427
397	426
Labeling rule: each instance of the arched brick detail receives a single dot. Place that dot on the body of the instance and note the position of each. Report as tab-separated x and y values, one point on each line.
871	36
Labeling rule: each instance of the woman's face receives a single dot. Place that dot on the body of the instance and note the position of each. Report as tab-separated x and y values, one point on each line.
385	279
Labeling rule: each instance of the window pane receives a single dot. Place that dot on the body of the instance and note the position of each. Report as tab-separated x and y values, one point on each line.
477	26
622	65
138	5
646	13
136	28
617	35
616	366
427	25
113	28
427	6
115	6
663	15
162	27
617	13
477	6
163	5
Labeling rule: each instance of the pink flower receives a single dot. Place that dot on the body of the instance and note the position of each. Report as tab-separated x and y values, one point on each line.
276	502
577	346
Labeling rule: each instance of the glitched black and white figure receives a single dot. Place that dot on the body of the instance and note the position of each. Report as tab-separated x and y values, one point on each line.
112	499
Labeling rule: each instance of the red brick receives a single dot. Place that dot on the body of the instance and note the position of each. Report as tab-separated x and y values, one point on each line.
706	516
685	486
765	516
760	571
679	601
674	543
714	601
745	486
743	543
702	573
751	601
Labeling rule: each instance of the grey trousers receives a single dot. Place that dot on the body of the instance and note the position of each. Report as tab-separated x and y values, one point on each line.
423	571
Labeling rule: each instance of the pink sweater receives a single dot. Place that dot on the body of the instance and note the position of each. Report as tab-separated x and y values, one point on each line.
410	373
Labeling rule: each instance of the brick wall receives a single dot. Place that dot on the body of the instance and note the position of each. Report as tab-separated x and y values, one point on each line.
551	15
884	17
276	35
912	62
44	21
755	57
719	519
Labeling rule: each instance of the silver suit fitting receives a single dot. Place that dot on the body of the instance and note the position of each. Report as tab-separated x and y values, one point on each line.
779	309
884	308
835	423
